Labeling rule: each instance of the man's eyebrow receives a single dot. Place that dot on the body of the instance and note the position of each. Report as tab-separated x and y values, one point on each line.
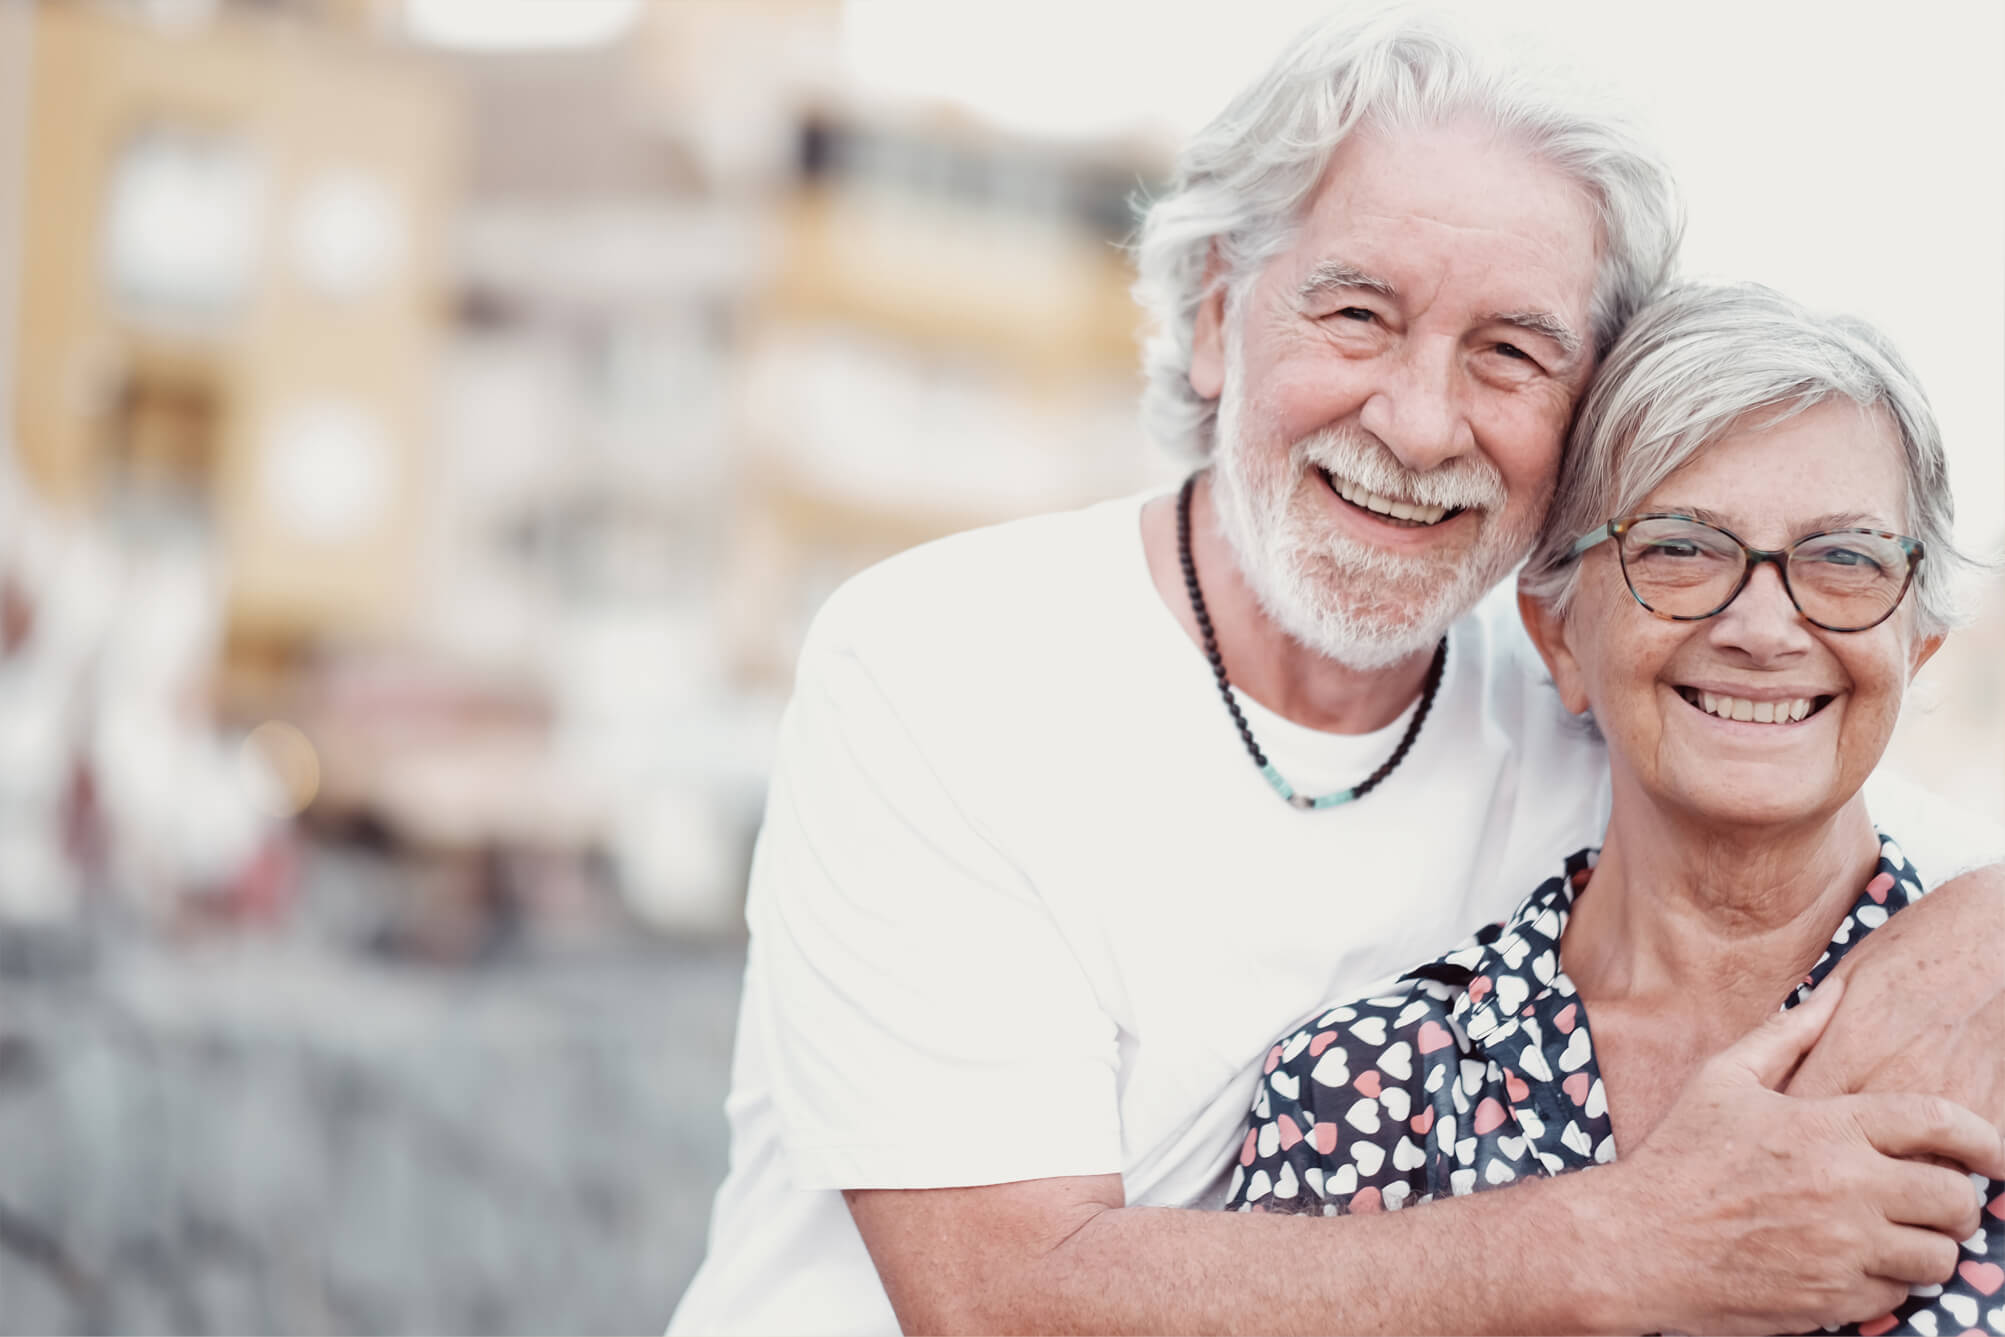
1540	322
1333	274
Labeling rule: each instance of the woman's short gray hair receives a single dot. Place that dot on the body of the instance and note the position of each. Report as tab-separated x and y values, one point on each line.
1242	183
1700	361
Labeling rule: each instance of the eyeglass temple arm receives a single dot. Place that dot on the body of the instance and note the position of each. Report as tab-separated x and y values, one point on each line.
1589	539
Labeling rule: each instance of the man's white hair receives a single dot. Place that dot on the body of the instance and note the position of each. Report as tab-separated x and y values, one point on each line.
1704	359
1242	183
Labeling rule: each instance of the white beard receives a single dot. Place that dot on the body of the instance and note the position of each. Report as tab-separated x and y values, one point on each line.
1348	601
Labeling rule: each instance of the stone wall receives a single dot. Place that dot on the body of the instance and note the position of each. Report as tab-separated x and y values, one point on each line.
267	1136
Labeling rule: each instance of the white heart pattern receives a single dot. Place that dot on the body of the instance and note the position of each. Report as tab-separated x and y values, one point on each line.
1363	1115
1578	1051
1330	1069
1397	1060
1369	1156
1597	1098
1286	1084
1532	1062
1407	1156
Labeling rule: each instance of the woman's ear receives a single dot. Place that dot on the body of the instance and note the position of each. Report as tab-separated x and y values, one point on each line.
1924	651
1548	632
1207	336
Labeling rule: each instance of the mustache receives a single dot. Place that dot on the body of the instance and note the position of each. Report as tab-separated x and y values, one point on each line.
1467	482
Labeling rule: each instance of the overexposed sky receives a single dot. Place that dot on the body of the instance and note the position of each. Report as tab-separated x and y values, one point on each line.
1848	154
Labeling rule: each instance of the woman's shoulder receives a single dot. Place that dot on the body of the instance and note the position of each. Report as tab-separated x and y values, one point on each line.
1893	885
1437	993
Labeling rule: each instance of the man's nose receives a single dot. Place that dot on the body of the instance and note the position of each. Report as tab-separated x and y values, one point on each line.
1762	622
1416	409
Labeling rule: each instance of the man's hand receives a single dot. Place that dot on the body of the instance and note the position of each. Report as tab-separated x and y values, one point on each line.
1924	1009
1744	1211
1797	1212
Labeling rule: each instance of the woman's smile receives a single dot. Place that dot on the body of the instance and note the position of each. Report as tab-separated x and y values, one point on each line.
1764	706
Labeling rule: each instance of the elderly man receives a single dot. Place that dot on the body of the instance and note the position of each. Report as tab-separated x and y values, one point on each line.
1074	815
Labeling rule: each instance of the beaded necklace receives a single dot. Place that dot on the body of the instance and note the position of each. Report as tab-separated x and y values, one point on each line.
1273	777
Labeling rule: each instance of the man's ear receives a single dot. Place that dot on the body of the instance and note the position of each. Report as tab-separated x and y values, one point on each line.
1207	337
1548	632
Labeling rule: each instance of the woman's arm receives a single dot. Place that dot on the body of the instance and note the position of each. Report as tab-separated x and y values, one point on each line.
1924	1006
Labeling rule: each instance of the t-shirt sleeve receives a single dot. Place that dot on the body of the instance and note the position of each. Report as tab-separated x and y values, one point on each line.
931	1026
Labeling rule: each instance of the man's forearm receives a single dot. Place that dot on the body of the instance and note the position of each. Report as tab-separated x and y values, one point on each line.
1538	1257
1742	1210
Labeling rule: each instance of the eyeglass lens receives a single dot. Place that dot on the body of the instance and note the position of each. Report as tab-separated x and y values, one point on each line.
1683	568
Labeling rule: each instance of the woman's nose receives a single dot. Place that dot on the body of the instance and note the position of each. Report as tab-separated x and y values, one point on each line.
1762	621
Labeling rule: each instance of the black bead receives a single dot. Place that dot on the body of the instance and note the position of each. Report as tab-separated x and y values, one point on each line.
1203	618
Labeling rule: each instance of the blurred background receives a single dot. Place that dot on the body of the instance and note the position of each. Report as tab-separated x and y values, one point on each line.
426	427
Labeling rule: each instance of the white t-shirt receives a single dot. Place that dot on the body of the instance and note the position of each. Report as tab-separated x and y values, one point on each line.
1023	907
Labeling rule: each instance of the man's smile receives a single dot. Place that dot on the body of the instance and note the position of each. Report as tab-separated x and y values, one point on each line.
1389	510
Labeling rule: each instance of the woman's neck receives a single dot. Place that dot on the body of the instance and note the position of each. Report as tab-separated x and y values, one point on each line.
1707	927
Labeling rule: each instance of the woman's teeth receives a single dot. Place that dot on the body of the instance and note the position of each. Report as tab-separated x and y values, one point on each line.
1758	712
1372	501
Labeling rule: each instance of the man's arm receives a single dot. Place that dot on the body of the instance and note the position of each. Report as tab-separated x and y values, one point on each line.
1924	1006
1744	1211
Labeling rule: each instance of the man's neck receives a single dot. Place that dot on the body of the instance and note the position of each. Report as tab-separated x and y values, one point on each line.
1265	662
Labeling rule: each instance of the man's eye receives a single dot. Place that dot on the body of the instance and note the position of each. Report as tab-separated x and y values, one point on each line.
1515	352
1356	313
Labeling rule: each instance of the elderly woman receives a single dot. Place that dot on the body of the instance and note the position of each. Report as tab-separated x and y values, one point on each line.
1741	573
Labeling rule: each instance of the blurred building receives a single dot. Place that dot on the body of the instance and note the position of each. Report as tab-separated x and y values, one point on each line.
508	411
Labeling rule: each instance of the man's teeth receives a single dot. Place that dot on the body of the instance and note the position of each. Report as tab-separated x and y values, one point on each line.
1760	712
1398	510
